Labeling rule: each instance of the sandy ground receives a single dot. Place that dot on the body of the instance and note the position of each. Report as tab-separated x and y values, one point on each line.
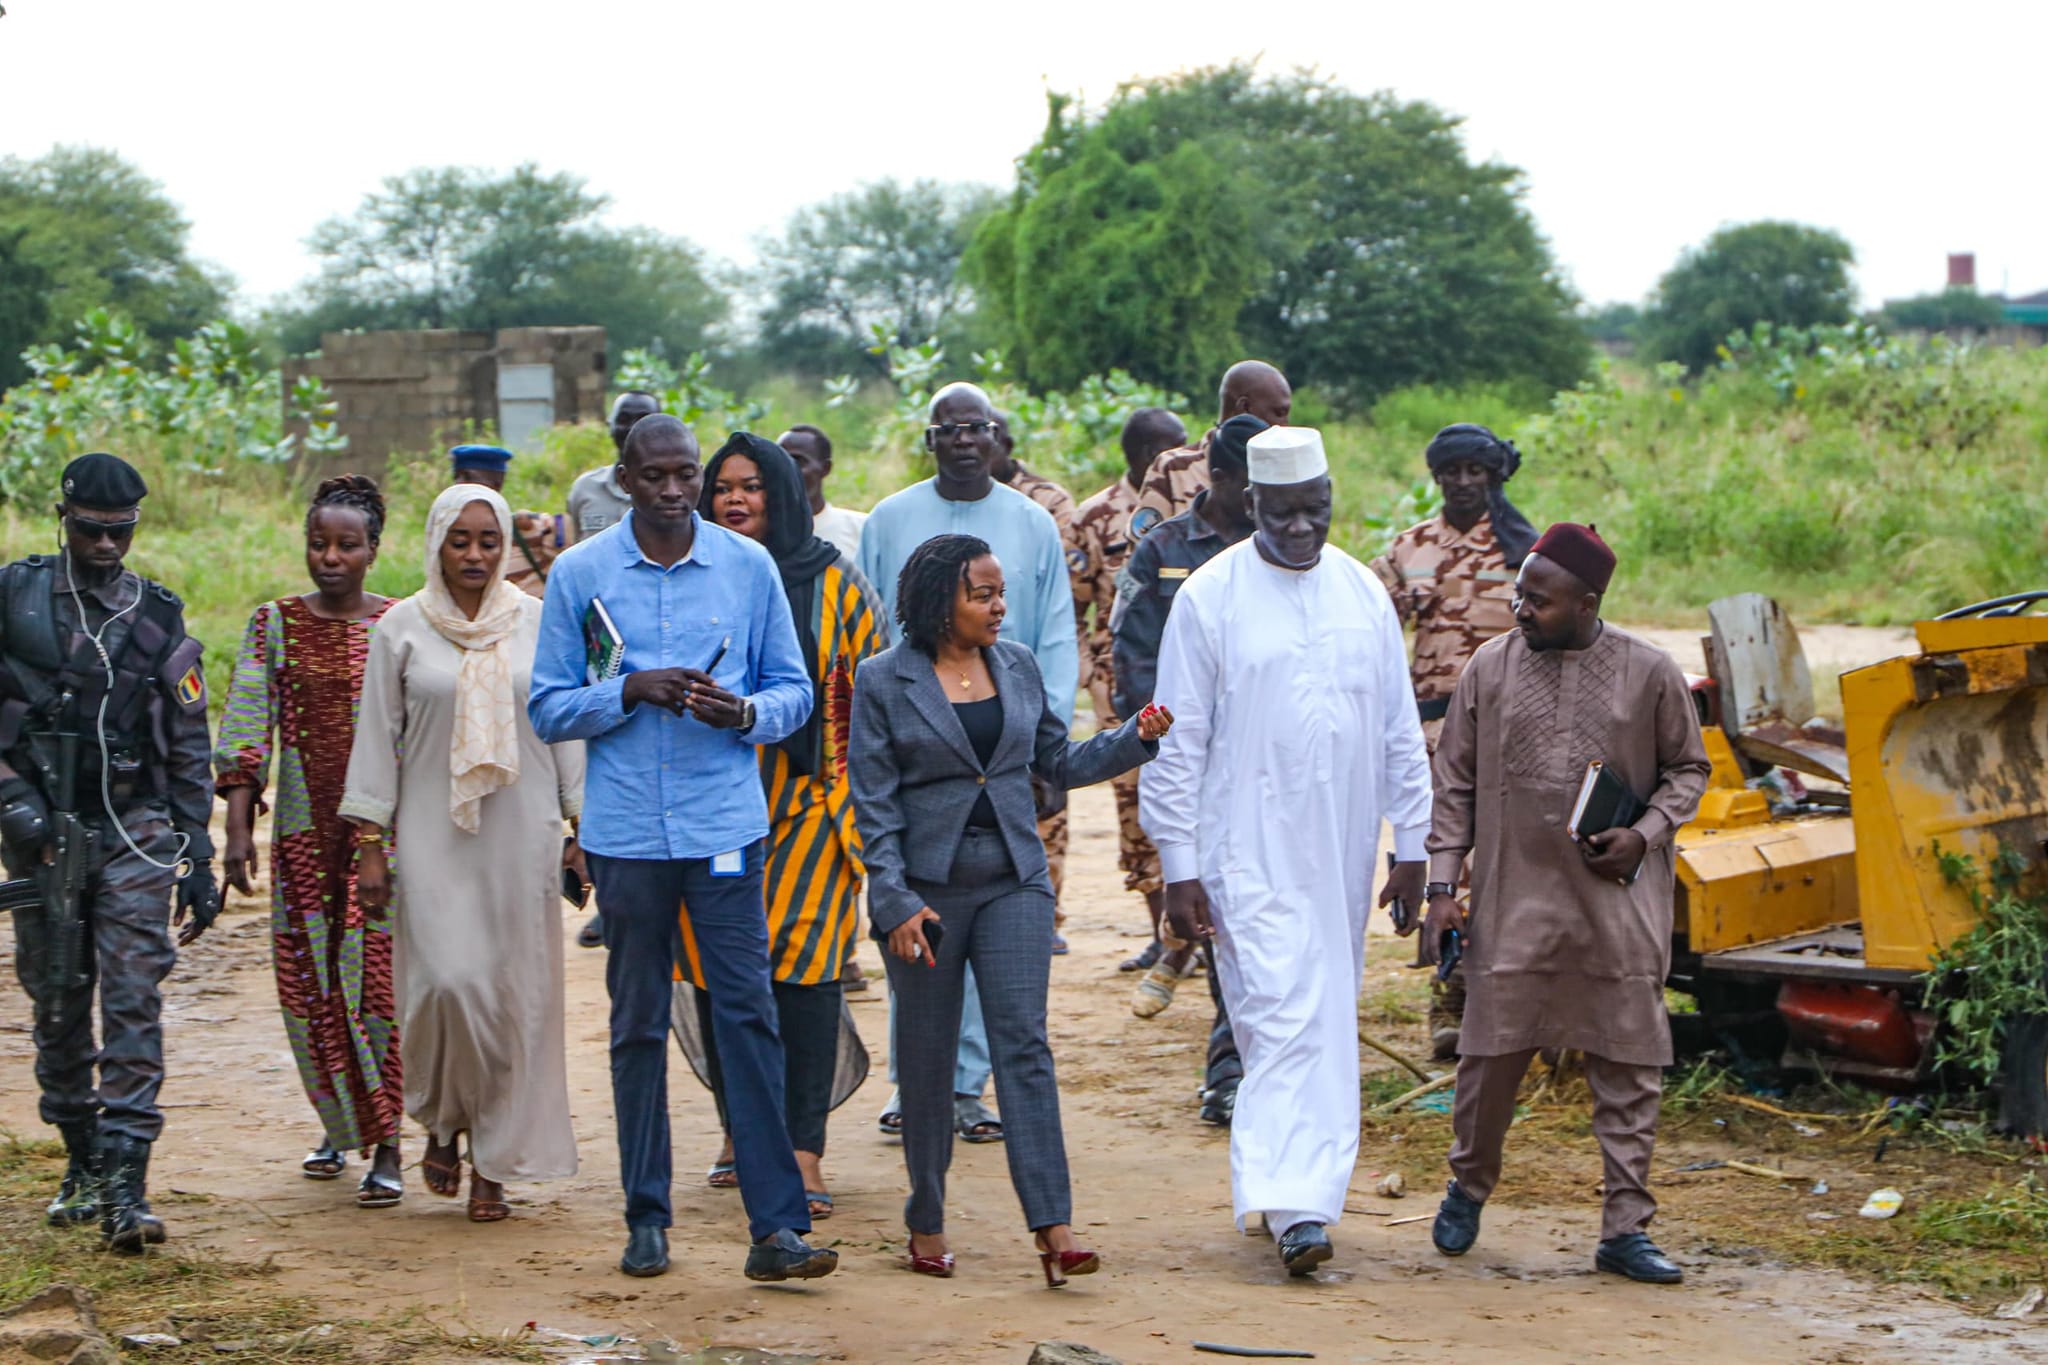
1151	1194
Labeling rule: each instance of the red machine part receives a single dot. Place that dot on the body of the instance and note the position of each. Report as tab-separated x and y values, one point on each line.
1859	1024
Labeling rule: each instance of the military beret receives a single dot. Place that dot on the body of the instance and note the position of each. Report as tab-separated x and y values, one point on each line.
103	480
480	457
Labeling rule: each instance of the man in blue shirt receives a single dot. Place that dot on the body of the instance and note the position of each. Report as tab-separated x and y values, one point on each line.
965	498
673	815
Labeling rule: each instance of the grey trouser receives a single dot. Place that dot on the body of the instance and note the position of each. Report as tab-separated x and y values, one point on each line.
1625	1103
128	953
1003	927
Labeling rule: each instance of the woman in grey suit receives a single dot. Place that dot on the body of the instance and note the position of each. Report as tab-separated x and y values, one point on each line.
949	728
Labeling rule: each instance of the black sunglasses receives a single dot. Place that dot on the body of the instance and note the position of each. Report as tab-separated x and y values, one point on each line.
101	530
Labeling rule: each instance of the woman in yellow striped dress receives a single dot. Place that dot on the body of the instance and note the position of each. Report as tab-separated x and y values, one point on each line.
814	872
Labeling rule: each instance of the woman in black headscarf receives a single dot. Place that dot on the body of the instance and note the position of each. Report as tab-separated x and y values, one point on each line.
814	871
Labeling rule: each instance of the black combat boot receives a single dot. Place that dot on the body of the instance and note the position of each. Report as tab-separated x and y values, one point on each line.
78	1198
126	1224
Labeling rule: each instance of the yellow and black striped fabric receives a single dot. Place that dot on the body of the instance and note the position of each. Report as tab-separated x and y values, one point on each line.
814	872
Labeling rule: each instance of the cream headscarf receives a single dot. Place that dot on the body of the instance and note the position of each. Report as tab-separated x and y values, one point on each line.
483	753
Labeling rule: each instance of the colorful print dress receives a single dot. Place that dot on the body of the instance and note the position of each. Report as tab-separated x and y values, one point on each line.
296	687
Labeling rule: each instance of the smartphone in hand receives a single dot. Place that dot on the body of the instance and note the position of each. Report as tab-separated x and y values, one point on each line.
1450	948
934	935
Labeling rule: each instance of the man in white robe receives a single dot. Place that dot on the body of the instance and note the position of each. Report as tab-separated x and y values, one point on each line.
1295	735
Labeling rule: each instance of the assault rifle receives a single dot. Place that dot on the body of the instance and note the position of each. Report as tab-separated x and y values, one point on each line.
58	887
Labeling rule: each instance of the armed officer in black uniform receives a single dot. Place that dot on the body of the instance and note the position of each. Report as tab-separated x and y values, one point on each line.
105	792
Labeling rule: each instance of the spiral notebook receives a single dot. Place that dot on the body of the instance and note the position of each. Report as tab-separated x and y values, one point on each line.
604	649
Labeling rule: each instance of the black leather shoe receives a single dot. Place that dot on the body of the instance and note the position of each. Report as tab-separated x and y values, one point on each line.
1637	1257
591	935
646	1252
1457	1222
1303	1247
786	1256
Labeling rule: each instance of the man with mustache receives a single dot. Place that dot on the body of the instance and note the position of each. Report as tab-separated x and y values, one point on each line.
1295	734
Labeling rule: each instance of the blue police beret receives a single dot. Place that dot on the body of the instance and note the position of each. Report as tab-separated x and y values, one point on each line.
104	481
480	457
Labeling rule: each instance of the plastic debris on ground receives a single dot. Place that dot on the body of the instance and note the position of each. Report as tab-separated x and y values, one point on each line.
2021	1306
1881	1204
1819	1187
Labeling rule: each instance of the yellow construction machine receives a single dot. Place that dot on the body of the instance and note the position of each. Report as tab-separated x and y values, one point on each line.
1815	902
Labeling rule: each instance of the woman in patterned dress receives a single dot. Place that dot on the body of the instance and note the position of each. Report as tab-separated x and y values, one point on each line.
296	686
813	876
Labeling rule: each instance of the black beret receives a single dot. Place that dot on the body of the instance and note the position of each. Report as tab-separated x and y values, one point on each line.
103	480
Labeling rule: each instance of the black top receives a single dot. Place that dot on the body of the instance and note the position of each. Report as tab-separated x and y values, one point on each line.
983	722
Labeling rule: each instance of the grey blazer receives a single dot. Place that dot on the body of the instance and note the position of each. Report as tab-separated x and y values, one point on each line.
914	776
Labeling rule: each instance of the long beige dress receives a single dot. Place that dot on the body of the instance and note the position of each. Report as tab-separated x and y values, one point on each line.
478	941
1559	956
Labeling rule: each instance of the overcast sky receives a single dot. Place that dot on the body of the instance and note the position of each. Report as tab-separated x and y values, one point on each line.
1914	130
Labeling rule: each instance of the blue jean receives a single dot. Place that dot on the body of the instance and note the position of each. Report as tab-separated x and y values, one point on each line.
971	1064
640	899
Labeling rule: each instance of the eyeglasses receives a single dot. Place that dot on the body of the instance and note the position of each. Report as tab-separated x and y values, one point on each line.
102	530
946	431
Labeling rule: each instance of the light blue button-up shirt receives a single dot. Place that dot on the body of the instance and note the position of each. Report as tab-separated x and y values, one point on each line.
659	785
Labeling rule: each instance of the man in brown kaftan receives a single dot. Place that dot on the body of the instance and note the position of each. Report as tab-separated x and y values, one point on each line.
1568	945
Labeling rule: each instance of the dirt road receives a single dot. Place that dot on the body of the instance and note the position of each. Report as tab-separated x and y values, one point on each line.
1151	1194
1151	1188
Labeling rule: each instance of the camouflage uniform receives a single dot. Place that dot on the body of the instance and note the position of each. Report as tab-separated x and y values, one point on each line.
1170	485
536	540
1095	555
1457	590
1052	829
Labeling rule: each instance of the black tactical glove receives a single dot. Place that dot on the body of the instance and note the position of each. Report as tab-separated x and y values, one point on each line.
24	818
199	897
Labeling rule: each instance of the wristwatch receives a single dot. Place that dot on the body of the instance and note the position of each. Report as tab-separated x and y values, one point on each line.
746	714
1435	889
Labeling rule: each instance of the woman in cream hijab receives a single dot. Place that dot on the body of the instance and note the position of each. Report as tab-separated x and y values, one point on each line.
447	772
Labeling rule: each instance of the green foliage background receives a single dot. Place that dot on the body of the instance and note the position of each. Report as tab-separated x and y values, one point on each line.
1218	213
1854	477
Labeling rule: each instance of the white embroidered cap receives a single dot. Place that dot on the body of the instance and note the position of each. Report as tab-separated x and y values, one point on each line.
1282	455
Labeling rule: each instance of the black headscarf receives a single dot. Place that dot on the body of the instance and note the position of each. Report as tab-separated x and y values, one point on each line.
1470	441
800	555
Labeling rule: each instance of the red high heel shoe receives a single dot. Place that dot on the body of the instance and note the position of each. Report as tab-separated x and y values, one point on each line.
1057	1265
941	1266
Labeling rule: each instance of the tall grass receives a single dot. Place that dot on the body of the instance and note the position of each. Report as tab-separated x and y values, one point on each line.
1859	482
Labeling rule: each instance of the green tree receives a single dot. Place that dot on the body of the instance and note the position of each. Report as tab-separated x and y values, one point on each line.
1956	309
88	230
455	247
886	256
1786	274
24	306
1347	238
1614	322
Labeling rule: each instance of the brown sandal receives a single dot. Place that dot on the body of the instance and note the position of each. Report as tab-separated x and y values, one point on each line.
482	1210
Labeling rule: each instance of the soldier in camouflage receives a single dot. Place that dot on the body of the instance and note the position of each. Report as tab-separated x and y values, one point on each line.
1169	487
1052	822
1453	579
95	661
1096	552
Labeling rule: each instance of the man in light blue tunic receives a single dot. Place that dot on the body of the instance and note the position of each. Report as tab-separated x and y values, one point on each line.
963	498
